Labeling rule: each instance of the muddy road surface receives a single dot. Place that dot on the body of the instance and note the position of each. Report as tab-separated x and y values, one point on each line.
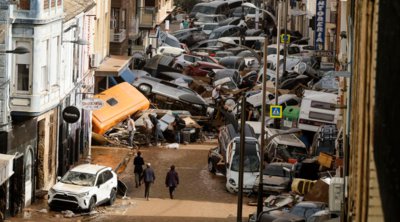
200	196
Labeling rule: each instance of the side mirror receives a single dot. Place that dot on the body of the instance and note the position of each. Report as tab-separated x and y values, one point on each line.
58	178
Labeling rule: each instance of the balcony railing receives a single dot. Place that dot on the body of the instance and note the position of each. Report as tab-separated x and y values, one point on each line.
146	17
118	36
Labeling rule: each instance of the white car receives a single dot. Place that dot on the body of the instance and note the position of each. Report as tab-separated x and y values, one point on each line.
170	51
84	187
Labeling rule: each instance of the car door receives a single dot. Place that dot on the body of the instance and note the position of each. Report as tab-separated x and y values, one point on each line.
109	182
102	188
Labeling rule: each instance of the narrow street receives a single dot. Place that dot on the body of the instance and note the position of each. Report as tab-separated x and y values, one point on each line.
200	195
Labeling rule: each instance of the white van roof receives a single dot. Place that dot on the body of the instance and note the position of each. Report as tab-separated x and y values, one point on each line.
320	96
289	139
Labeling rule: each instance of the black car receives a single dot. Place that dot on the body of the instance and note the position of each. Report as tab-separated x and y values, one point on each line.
230	21
233	62
225	31
190	36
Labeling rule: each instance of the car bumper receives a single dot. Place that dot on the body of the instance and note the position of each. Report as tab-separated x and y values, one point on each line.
67	201
271	189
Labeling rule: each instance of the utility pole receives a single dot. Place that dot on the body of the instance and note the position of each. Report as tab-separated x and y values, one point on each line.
278	42
285	14
241	159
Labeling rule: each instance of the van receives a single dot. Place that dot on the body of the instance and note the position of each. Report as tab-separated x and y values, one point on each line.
287	148
225	158
210	8
120	101
317	109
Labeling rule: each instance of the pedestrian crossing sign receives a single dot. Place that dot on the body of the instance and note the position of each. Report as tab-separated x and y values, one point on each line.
275	112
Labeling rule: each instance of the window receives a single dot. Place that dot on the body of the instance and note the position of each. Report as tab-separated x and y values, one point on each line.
123	19
321	116
322	105
107	175
24	4
23	77
292	102
112	102
100	179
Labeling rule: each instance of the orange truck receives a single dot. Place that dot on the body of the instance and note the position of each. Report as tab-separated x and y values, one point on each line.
119	101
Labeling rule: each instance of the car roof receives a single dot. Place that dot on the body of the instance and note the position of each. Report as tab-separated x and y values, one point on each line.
89	168
311	204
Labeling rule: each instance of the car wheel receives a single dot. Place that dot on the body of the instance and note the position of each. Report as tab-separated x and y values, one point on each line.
113	196
92	204
211	167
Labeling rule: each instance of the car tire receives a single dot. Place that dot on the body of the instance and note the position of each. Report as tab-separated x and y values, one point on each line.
92	204
113	196
211	167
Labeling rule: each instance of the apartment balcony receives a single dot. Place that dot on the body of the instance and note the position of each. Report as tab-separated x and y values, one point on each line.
146	17
118	37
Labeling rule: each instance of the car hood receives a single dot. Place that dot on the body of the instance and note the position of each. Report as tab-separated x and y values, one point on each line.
192	99
70	188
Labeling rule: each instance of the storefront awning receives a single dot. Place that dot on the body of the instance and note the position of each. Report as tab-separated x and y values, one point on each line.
6	167
113	65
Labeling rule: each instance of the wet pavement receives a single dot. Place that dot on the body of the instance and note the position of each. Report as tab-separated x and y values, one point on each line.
200	196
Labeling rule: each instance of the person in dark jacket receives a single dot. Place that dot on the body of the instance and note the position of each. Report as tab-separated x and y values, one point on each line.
148	178
157	129
172	181
178	125
138	162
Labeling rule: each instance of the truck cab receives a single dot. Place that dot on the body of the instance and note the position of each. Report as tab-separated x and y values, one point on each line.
225	158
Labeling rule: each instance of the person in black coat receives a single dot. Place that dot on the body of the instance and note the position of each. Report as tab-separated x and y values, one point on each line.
138	162
157	129
172	181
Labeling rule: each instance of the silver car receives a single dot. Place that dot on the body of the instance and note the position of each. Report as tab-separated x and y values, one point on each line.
181	95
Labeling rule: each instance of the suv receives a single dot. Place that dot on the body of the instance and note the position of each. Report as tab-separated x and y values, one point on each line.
84	187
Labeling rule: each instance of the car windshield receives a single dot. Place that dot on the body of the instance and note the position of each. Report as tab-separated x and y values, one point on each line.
207	19
204	9
271	51
251	160
276	170
303	211
214	35
79	178
172	42
293	151
210	27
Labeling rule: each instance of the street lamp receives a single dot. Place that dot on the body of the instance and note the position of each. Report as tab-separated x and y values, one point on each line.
260	183
18	50
78	42
251	5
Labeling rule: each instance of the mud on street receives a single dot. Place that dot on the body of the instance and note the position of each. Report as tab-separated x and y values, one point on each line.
200	196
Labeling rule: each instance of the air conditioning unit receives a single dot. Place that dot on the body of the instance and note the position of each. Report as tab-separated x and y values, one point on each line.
336	194
95	60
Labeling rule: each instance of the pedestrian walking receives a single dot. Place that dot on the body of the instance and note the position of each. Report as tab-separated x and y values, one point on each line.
138	162
157	129
149	51
131	130
182	26
148	179
172	181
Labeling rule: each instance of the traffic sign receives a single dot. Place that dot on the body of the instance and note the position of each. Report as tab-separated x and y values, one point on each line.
285	38
275	112
92	104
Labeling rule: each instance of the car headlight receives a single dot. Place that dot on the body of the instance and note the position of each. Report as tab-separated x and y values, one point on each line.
84	194
199	107
232	182
51	191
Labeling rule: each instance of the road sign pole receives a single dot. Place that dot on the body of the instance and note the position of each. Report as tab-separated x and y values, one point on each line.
276	123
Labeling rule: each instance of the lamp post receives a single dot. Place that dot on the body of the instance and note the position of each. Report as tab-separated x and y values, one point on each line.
19	50
78	41
260	183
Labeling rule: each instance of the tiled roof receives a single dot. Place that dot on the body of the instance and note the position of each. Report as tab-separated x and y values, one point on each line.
74	7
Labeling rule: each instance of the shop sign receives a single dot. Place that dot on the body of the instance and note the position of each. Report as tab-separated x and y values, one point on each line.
71	114
319	40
